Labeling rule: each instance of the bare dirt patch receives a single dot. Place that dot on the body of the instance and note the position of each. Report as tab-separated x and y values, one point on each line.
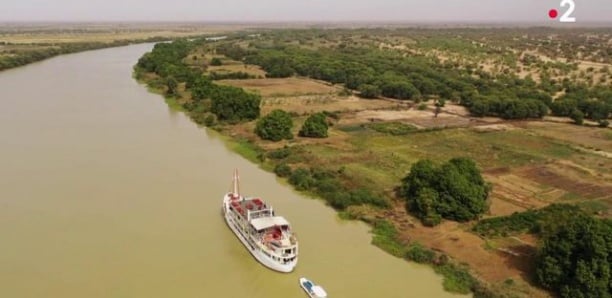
421	119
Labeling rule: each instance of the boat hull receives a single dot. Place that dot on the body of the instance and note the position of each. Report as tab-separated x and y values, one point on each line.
253	249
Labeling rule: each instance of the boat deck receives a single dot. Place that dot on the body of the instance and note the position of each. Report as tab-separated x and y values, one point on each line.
241	205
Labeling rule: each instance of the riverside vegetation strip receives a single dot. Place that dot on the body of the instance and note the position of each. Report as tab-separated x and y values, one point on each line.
372	143
23	43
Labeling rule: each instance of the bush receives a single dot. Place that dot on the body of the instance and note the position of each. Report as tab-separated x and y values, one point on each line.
301	179
385	237
232	104
282	170
530	221
315	126
454	190
603	123
280	153
577	116
456	279
275	126
210	120
422	107
417	253
216	62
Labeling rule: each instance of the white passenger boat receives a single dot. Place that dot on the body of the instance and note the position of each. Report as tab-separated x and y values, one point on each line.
267	237
313	290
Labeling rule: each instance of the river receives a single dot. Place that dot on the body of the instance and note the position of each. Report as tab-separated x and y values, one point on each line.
105	192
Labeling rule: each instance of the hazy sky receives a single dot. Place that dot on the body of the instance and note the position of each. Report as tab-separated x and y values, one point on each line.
299	10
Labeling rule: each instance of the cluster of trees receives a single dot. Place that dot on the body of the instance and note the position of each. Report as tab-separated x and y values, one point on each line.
228	103
575	259
375	72
507	108
356	68
581	102
277	126
238	75
454	190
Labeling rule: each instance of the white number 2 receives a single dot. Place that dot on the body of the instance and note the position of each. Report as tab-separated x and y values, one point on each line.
565	18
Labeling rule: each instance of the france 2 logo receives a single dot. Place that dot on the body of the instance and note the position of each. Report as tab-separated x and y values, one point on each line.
566	17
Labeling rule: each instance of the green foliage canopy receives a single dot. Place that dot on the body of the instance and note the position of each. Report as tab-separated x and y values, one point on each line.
315	126
275	126
454	190
576	259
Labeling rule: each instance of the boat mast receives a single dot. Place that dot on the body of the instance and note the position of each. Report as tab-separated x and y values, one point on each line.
236	182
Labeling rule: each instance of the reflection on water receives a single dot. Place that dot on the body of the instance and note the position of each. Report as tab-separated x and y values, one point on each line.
106	193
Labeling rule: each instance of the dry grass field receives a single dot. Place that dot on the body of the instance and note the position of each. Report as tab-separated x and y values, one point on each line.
282	87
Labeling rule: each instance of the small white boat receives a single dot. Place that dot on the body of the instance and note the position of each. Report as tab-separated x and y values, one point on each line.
313	290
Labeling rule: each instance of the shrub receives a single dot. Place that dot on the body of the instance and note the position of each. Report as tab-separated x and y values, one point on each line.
210	120
603	123
315	126
422	107
416	252
216	62
577	116
282	170
275	126
281	153
454	190
301	179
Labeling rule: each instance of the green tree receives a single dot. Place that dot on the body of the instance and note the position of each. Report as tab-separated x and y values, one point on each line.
275	126
171	86
577	116
315	126
575	259
216	62
454	190
369	91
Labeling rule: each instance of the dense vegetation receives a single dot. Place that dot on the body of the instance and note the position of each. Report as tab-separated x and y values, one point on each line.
315	126
228	103
575	259
375	71
329	186
454	190
530	221
275	126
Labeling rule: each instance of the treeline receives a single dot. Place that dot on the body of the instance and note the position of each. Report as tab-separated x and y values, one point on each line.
238	75
375	72
227	103
23	57
594	103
